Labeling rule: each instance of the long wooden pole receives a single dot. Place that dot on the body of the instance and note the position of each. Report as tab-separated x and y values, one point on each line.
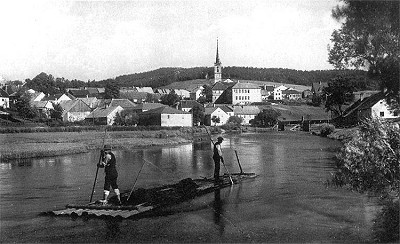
144	161
222	159
97	166
240	166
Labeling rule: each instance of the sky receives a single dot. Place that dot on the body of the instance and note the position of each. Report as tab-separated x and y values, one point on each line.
96	40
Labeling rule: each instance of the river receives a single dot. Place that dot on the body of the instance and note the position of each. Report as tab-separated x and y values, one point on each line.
287	202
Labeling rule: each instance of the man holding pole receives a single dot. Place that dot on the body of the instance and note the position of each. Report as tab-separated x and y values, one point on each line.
217	156
108	162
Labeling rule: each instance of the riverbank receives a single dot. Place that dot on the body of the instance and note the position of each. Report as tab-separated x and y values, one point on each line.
30	145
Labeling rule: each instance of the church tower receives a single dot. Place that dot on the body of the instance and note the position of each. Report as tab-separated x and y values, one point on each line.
217	68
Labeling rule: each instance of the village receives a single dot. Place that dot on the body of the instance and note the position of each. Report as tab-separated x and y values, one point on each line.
244	99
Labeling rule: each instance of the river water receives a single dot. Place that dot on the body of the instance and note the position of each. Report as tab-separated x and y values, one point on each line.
287	202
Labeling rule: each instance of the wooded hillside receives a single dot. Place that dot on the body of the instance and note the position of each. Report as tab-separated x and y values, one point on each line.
165	76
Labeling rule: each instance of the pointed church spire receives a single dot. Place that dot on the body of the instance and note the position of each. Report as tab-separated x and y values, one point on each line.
217	62
217	68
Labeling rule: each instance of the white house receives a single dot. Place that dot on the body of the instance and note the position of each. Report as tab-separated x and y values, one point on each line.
245	93
247	113
182	93
278	95
4	99
74	110
42	106
166	116
217	112
376	106
104	115
196	92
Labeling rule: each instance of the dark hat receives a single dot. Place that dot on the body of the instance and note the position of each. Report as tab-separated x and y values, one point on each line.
107	147
220	138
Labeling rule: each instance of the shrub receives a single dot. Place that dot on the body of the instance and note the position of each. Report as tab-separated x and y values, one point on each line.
326	129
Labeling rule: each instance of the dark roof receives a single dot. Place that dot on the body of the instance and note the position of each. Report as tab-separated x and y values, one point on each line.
149	106
290	92
165	110
124	103
368	102
189	104
79	93
3	93
222	86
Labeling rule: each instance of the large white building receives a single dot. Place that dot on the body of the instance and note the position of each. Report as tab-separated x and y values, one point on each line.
245	93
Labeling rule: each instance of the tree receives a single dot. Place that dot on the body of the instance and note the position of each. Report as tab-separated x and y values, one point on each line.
43	83
126	117
235	120
369	38
24	107
111	91
370	160
56	112
207	93
266	118
338	93
170	99
215	119
198	115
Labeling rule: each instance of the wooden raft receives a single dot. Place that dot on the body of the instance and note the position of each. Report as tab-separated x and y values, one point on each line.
144	201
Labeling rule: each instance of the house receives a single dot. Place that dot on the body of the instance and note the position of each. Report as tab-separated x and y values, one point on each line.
145	89
79	93
166	116
162	91
228	110
187	105
143	107
266	92
245	93
182	93
136	97
4	99
124	103
217	90
43	107
92	102
217	112
317	87
36	96
278	95
375	106
307	93
74	110
57	98
247	113
196	92
369	107
103	115
291	94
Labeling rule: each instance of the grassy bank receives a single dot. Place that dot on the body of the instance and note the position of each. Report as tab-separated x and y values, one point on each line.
29	145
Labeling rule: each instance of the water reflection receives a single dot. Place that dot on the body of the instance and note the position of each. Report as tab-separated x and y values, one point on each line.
218	211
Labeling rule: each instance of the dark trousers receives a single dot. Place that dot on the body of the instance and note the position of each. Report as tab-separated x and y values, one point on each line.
217	165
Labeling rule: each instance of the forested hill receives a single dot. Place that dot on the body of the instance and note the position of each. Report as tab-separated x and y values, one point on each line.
166	76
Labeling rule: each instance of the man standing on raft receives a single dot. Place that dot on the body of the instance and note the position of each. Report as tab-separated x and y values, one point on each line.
108	162
217	156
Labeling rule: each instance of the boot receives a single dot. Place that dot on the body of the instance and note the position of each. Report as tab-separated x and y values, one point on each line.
105	197
118	196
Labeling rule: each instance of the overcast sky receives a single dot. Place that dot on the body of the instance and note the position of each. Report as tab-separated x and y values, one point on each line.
104	39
